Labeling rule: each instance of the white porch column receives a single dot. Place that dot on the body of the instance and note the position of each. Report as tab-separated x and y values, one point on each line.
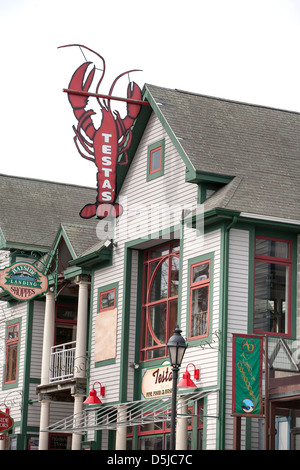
76	438
48	336
182	424
3	441
44	423
121	431
48	341
80	353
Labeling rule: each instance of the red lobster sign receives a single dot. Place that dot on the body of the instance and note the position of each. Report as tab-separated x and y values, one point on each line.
105	145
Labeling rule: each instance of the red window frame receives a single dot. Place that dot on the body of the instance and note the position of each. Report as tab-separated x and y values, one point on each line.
100	297
281	261
11	344
195	286
151	172
165	429
148	279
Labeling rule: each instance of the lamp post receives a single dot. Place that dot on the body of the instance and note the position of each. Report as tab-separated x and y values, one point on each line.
176	348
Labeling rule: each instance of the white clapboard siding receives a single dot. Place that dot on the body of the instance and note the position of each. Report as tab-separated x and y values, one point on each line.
4	259
237	312
34	409
37	343
165	191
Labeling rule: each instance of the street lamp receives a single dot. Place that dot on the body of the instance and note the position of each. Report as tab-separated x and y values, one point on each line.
176	348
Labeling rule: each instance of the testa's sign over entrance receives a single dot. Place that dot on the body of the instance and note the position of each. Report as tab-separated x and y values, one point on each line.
157	382
23	281
106	146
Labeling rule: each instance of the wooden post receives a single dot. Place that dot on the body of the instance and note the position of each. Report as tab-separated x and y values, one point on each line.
237	432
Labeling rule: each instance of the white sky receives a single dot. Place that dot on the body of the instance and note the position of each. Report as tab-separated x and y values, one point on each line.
245	50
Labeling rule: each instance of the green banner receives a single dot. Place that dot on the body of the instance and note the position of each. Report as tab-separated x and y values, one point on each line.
247	359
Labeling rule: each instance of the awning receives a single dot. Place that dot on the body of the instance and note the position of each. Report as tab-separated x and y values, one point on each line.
133	413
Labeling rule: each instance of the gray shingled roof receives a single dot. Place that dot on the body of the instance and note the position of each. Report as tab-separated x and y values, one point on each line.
32	211
259	146
81	236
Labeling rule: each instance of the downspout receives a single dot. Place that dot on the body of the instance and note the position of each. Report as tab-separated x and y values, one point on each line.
224	321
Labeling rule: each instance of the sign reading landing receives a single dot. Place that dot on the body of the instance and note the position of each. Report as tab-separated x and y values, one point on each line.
23	281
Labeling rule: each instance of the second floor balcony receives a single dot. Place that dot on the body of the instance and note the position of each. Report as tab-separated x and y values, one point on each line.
63	365
62	361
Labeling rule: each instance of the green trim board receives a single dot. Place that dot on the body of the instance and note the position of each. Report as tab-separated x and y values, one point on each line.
209	178
147	96
26	375
103	256
125	325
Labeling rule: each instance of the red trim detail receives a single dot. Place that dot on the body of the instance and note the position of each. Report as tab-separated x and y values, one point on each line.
274	260
151	172
195	286
107	292
148	279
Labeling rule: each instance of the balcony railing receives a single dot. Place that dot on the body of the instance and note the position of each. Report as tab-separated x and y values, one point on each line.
62	361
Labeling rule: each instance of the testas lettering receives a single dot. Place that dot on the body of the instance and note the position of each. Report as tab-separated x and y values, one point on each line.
106	161
161	377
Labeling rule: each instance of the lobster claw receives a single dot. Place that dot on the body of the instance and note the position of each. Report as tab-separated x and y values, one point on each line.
134	93
76	83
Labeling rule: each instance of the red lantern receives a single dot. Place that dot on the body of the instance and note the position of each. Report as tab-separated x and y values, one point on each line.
186	381
92	398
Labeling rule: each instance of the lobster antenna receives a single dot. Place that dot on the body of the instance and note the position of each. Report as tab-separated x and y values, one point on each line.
118	77
94	52
82	53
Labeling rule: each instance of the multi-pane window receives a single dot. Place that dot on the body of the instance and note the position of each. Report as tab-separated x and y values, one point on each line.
199	299
272	285
159	299
12	345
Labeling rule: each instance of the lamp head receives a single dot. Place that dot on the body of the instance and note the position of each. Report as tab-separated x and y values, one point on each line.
176	348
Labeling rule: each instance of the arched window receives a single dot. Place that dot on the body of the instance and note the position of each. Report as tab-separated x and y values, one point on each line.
160	299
